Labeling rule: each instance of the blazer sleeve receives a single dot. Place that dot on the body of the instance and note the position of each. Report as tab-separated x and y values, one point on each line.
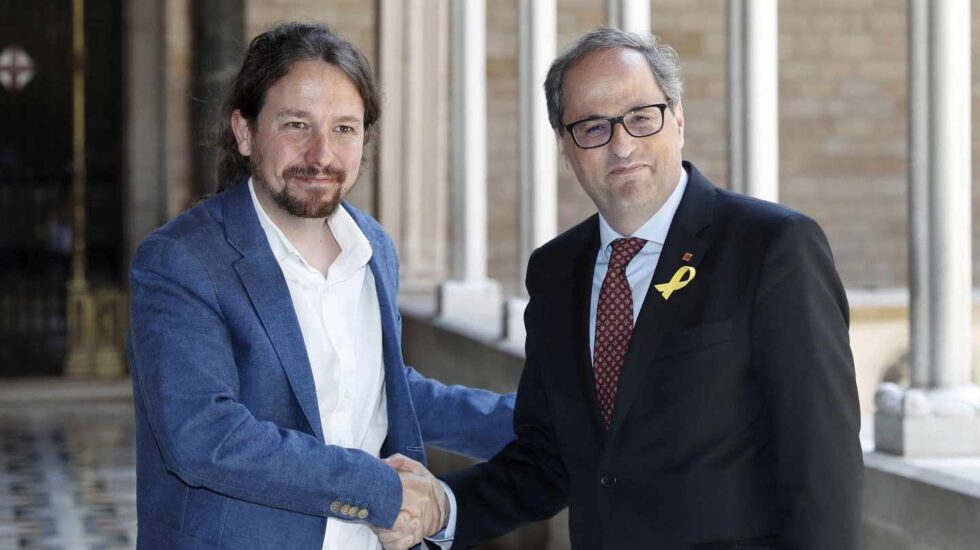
800	346
186	375
527	481
467	421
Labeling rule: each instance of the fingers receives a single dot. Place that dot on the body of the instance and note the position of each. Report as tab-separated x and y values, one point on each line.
402	521
424	497
405	533
395	461
403	543
403	463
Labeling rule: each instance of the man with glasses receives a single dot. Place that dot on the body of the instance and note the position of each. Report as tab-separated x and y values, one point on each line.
689	382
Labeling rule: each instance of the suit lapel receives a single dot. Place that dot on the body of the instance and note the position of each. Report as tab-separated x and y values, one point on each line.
266	287
584	269
683	241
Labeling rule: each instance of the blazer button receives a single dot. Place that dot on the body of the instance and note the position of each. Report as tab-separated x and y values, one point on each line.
354	510
345	509
335	507
608	481
362	514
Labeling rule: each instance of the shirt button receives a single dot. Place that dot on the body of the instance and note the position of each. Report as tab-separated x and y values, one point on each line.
608	481
346	395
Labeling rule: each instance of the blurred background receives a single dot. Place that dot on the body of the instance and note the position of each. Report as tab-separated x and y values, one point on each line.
863	114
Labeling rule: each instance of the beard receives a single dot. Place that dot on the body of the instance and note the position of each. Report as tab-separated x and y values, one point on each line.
318	203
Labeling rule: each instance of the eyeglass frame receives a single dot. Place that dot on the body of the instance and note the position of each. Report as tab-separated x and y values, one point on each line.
621	120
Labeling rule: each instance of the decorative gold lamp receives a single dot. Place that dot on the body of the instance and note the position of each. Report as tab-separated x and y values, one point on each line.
97	319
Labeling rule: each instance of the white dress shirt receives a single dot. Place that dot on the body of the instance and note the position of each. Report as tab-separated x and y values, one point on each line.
340	319
639	272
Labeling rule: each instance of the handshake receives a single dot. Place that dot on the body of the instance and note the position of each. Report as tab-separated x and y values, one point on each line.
425	507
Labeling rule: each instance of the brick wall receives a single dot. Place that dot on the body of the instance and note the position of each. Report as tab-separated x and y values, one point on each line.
502	138
843	142
353	19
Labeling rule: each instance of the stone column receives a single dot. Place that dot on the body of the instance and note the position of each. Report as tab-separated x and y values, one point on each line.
629	15
413	167
146	121
218	38
918	198
157	131
538	169
753	98
940	413
470	297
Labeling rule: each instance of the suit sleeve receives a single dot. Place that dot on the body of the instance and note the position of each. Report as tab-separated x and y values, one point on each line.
185	374
467	421
799	332
525	482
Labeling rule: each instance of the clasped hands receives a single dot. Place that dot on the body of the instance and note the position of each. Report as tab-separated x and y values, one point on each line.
425	507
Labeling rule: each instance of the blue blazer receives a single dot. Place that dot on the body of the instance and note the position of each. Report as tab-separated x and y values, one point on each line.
230	450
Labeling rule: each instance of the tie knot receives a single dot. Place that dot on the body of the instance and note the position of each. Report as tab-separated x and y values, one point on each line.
624	250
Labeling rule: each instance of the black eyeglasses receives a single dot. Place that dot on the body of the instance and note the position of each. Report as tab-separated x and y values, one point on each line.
597	131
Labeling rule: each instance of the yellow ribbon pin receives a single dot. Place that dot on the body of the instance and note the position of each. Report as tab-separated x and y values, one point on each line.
676	282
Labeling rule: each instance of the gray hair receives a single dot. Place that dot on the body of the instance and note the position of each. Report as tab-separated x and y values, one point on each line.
660	56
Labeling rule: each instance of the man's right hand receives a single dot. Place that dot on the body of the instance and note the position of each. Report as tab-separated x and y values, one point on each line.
404	534
425	507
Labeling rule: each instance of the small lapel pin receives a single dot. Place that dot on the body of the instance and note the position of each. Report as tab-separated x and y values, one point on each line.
687	256
676	282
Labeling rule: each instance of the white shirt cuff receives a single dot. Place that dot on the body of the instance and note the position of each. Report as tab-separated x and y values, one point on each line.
444	539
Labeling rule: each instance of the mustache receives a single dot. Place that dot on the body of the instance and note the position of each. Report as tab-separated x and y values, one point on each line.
309	171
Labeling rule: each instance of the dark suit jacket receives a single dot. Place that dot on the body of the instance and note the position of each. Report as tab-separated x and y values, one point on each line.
736	419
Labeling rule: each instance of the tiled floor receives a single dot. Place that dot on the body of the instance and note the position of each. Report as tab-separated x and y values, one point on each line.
67	472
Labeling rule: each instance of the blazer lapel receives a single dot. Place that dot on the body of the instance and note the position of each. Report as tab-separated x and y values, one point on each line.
683	247
404	434
266	287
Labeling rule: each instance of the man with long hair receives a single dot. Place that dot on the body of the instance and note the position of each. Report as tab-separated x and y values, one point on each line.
266	341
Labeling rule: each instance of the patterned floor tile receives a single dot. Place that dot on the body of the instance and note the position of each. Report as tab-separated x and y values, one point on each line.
67	477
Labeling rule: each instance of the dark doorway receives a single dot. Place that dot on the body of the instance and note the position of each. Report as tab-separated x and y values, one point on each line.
36	167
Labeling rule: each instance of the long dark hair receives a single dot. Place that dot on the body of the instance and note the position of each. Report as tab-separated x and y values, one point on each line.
269	57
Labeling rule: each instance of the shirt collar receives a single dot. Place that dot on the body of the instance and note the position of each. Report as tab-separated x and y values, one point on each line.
355	249
653	230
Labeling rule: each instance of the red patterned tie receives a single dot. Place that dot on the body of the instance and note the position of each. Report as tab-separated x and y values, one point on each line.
613	324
